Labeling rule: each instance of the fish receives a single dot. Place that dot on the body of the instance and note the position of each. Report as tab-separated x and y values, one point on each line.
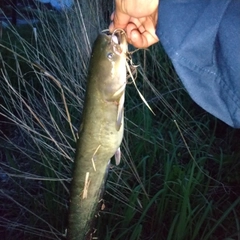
101	130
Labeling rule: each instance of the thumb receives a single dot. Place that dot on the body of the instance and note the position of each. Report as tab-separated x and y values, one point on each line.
119	20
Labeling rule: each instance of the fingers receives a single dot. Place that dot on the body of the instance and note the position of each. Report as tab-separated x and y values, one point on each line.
139	37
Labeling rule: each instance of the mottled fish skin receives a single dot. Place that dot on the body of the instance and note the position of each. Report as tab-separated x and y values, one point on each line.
101	130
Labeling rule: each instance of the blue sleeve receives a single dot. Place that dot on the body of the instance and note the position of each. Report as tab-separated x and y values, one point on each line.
202	38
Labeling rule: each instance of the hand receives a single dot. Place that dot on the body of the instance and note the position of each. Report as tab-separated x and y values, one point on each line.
139	19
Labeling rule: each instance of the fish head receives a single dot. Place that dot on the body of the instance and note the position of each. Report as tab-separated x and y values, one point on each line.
110	51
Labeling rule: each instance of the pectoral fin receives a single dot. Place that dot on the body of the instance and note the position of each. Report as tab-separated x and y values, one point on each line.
118	156
120	111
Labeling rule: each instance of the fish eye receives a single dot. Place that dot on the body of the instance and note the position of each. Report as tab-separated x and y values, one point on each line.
110	55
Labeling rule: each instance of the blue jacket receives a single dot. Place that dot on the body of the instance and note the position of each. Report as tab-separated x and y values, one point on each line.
202	38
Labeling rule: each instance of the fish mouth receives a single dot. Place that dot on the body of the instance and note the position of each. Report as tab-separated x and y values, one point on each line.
118	41
119	37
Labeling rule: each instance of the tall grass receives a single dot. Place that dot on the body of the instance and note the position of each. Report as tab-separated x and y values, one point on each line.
178	178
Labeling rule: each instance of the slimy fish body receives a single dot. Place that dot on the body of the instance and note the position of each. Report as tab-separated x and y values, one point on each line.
101	130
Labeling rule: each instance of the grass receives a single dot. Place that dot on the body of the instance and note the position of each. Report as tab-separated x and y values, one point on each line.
179	175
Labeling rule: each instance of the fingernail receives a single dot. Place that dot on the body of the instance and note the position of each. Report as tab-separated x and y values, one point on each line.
111	27
112	16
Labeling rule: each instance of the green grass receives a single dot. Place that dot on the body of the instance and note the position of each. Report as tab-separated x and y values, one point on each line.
179	174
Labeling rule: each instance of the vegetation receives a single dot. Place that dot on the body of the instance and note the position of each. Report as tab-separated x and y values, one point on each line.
179	175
